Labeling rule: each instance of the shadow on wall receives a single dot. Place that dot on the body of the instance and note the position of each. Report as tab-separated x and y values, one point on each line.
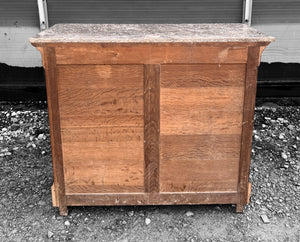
28	83
22	83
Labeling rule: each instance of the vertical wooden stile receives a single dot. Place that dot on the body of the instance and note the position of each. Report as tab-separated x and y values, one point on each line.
247	125
151	127
49	62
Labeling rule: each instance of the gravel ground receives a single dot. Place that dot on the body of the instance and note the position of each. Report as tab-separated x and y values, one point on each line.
26	177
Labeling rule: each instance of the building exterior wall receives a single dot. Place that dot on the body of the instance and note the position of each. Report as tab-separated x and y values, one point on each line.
280	19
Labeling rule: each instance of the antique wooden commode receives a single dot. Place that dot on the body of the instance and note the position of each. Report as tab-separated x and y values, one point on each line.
150	114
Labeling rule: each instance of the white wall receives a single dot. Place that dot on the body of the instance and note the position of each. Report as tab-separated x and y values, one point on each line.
15	48
286	47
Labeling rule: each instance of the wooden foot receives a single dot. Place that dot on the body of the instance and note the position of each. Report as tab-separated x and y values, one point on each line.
63	211
249	193
239	208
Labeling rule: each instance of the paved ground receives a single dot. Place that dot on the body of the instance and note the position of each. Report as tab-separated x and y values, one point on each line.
26	212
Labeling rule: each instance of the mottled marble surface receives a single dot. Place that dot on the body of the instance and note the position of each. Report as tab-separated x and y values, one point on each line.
145	33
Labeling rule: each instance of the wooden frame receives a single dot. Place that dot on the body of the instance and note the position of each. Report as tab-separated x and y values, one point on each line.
152	57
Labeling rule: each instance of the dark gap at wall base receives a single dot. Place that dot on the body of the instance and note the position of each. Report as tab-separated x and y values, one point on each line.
24	84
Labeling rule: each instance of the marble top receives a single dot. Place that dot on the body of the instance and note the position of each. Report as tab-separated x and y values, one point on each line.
146	33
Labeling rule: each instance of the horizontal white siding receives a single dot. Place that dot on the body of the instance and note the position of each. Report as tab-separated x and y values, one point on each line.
15	48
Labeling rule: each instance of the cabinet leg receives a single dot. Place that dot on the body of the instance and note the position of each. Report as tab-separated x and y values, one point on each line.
239	208
63	210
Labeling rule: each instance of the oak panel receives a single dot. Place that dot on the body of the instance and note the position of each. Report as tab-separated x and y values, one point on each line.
199	175
102	134
185	120
204	99
95	120
149	53
100	76
202	75
101	177
106	101
207	147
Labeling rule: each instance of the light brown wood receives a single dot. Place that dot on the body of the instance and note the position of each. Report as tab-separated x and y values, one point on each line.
109	199
249	192
202	75
49	63
149	53
199	175
100	76
248	118
142	124
184	120
54	197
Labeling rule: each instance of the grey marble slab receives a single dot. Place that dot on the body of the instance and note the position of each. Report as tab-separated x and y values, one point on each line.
146	33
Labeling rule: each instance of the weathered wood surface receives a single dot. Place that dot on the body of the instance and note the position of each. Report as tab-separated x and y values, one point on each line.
149	54
151	127
49	63
248	119
152	124
103	144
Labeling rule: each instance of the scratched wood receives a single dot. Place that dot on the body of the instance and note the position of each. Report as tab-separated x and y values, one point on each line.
102	127
202	75
248	119
49	63
201	125
151	110
149	54
141	124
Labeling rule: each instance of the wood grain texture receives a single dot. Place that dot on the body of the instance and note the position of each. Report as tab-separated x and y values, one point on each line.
49	63
199	175
96	120
207	147
106	101
156	199
248	118
151	127
202	75
184	120
102	127
149	53
100	76
203	99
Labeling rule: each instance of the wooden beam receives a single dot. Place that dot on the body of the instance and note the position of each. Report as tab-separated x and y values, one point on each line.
151	127
49	63
247	125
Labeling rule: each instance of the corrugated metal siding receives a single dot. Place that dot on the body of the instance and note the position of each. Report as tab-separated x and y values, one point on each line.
144	11
275	11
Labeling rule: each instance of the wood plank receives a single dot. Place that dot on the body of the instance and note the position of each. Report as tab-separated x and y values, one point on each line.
202	75
199	175
104	176
150	53
106	101
151	129
159	199
93	152
107	199
204	99
206	147
100	76
185	120
102	134
247	128
115	188
95	120
49	63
